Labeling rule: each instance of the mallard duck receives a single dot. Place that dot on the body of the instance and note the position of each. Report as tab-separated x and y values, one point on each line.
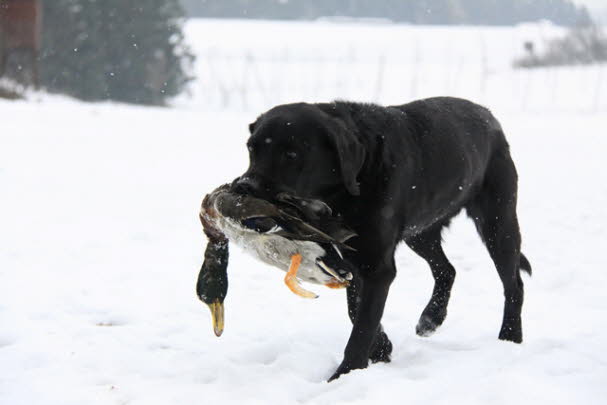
285	234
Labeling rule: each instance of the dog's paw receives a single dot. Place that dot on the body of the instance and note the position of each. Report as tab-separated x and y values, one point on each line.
344	368
382	349
426	326
338	373
432	317
512	331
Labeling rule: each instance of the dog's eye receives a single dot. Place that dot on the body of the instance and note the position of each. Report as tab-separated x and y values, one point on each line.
291	155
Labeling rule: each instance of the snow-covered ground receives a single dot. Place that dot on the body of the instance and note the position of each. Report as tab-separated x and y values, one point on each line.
100	247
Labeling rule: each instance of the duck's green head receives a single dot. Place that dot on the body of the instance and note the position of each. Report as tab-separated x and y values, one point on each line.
212	285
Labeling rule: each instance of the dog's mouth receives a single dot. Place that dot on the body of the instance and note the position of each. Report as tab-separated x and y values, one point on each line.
259	187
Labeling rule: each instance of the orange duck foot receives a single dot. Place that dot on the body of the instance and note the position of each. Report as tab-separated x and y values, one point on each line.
337	284
293	283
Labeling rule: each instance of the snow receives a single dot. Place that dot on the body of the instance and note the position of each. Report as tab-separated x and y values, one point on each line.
101	246
245	65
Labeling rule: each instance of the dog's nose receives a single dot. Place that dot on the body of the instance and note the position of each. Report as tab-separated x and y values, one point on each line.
245	185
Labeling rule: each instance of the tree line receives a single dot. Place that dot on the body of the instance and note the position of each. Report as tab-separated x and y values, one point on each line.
473	12
125	50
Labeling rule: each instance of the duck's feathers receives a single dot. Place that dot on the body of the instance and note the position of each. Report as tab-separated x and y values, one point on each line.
295	228
319	215
265	217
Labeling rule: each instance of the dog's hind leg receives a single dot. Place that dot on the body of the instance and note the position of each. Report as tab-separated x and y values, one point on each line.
494	213
428	246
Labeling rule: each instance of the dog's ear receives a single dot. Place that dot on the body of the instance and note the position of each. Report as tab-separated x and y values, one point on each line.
350	152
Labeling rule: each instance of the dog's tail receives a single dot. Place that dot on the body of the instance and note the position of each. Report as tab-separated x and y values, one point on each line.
524	264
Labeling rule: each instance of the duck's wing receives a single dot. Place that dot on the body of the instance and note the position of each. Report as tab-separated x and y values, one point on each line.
310	208
239	207
265	217
291	227
337	230
318	215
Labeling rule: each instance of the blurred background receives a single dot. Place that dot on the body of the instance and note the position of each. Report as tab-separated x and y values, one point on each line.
250	54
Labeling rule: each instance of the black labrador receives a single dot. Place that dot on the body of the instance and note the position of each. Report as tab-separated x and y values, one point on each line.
394	174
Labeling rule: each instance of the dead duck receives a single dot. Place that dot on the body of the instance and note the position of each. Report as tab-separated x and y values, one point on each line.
285	235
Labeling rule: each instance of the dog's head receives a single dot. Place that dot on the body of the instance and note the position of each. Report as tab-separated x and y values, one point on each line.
302	150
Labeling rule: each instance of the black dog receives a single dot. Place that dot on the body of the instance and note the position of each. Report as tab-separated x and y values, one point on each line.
396	174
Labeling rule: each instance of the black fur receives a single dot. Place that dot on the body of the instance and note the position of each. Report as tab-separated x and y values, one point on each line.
396	174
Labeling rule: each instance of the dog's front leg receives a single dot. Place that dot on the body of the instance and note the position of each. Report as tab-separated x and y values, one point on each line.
375	284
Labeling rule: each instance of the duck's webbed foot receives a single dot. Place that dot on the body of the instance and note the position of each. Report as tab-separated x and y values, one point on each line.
293	283
337	284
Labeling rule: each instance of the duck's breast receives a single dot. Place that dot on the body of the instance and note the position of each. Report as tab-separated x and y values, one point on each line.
276	250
